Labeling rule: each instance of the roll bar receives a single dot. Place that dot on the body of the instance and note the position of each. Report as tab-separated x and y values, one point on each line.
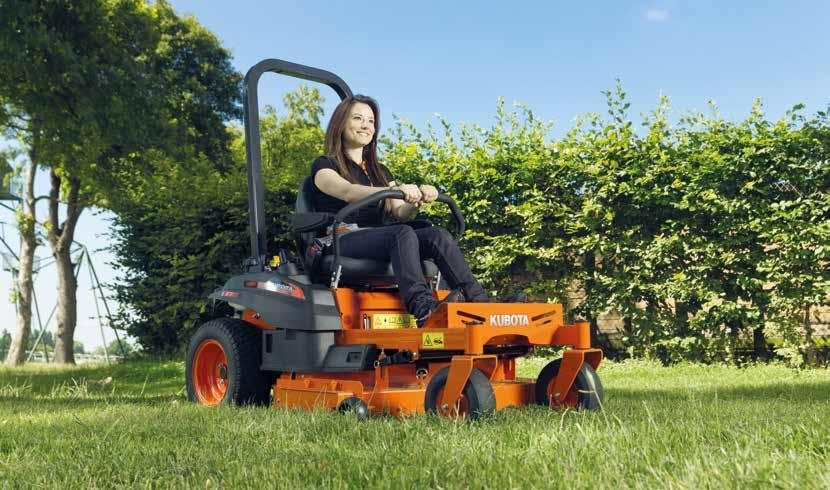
253	151
350	209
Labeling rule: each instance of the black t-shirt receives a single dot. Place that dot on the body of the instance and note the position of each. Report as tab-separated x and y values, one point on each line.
368	216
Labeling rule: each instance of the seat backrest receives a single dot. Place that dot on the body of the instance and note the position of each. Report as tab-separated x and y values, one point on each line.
304	204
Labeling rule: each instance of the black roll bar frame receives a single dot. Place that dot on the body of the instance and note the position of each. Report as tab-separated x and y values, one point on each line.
253	150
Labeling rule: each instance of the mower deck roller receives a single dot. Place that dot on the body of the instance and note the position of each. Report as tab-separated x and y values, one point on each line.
335	335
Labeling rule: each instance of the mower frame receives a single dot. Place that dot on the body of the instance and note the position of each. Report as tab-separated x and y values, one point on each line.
333	347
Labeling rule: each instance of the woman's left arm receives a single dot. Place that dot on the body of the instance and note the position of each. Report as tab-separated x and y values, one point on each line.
404	211
400	209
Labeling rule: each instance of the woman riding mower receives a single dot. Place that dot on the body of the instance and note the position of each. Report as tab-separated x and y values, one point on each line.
348	172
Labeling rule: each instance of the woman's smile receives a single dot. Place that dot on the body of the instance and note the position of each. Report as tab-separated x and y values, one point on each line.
360	128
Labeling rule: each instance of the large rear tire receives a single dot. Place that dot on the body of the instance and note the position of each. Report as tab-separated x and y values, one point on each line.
586	391
223	361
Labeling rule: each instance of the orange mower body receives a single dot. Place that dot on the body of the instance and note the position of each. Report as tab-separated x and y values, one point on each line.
320	330
460	337
458	340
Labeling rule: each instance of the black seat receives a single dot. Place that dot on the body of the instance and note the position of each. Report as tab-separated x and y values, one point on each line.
353	272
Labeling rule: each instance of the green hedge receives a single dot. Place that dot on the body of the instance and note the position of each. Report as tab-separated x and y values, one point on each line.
183	232
701	232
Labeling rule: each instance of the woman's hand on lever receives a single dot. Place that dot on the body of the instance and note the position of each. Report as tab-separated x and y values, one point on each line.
428	193
411	193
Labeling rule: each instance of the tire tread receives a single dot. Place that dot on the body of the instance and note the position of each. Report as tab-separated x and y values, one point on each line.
242	342
479	392
591	394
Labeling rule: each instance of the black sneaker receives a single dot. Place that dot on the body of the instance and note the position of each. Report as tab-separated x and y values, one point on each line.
454	296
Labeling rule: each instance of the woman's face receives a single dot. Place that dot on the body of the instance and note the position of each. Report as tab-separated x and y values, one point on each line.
360	126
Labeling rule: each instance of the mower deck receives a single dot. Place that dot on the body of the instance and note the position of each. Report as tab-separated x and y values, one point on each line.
321	393
484	336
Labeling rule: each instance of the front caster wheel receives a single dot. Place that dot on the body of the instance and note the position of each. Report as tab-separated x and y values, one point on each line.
476	400
586	391
223	364
354	406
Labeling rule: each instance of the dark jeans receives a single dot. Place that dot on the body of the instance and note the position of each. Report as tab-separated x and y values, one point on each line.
405	247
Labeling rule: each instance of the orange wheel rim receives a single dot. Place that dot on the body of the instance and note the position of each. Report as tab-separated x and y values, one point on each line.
210	372
458	409
571	399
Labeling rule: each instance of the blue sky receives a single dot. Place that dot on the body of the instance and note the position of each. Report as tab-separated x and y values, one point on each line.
458	58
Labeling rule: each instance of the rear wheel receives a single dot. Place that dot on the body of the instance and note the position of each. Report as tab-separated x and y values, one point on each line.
223	362
477	398
586	391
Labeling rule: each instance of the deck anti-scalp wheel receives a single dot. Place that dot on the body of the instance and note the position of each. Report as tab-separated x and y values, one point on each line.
354	406
477	398
586	391
223	364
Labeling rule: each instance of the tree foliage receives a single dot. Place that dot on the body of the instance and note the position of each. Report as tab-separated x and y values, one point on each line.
185	231
100	90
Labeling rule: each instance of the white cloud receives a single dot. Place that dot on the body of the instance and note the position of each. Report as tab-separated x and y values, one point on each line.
657	15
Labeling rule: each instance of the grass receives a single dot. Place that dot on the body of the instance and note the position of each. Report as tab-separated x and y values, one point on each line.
686	426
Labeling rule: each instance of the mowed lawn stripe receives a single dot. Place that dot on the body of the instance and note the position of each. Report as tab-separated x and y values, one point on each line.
685	426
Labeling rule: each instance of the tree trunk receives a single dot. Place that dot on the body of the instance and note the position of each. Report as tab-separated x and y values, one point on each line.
759	343
594	330
589	265
25	282
734	338
61	238
809	345
67	307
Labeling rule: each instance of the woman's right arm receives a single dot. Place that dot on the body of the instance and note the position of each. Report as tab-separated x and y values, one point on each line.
331	183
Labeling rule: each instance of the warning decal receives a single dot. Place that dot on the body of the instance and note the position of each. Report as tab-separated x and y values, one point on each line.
394	320
432	340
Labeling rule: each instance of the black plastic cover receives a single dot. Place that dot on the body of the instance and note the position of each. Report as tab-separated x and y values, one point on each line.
295	350
315	311
343	358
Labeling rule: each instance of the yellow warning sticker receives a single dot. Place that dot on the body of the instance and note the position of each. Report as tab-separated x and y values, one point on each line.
432	340
393	320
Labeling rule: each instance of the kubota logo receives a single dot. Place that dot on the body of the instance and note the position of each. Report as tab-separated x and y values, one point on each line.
508	320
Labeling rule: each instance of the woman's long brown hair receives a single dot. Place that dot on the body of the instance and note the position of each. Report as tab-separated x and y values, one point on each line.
335	149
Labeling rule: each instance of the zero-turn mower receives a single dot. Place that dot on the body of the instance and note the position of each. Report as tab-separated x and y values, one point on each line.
339	337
